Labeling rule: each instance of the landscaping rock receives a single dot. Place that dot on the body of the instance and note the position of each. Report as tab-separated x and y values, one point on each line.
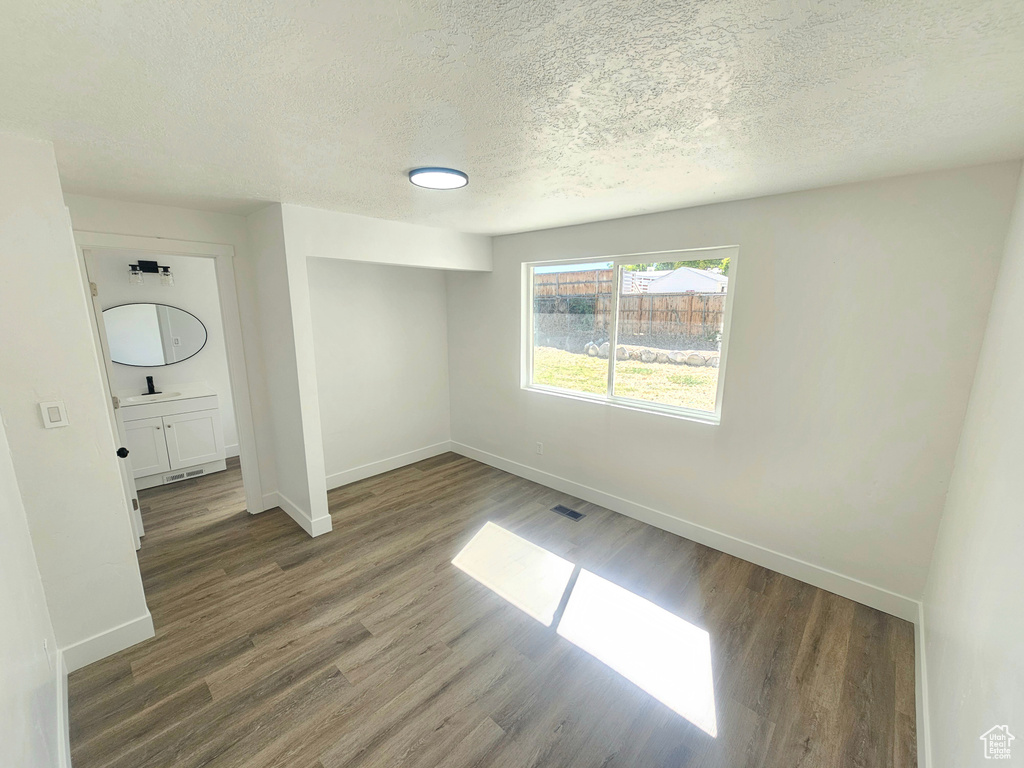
621	353
661	357
602	351
647	356
591	349
695	359
713	361
677	357
634	354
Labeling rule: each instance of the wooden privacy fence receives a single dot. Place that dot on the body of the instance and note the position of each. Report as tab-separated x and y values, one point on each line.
589	283
692	318
573	308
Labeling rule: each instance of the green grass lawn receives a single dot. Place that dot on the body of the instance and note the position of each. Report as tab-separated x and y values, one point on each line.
665	383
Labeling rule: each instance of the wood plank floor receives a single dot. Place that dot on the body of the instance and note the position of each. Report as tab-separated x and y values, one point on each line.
367	647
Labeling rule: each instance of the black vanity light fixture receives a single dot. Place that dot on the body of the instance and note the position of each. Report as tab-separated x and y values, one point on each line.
438	178
136	272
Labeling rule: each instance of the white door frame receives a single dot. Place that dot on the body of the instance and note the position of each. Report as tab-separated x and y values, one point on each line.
223	256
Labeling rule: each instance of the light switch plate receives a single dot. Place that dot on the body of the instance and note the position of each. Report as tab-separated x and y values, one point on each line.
54	414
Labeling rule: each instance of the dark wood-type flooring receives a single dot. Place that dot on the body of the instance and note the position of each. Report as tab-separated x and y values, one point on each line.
367	647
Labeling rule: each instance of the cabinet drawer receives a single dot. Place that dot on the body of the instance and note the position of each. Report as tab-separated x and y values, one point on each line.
167	408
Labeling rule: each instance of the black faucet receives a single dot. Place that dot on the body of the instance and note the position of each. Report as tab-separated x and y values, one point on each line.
149	386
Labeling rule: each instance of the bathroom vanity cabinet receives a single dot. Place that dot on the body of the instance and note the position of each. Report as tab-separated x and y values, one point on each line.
173	436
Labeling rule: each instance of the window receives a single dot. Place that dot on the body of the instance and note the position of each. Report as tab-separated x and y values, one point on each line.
643	332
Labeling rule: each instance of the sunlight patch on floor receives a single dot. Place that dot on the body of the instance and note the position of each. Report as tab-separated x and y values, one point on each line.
530	577
666	656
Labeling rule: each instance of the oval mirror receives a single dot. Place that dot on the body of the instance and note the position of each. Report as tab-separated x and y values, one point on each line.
150	335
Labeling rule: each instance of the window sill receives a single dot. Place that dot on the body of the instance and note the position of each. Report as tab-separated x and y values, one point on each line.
674	412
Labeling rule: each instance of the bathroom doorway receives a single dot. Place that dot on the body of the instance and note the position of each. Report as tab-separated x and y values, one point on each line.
168	334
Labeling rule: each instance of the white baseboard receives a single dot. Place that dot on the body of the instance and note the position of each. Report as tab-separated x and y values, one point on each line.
314	527
892	603
104	644
347	476
231	450
924	730
63	720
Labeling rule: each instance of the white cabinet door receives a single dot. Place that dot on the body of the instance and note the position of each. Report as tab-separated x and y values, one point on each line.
193	438
146	446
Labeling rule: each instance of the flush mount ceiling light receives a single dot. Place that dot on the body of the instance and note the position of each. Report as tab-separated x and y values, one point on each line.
438	178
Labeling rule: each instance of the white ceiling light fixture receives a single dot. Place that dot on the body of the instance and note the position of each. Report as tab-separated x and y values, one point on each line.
438	178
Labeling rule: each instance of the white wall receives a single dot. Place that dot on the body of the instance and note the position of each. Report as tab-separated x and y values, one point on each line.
845	392
94	214
286	327
315	233
974	604
195	291
69	477
382	365
30	684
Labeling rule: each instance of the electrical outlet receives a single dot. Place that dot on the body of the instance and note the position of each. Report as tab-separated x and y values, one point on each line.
540	448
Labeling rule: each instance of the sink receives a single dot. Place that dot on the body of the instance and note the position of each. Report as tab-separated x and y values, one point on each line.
138	399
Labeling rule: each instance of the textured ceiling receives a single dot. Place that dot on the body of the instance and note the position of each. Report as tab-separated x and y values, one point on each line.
560	111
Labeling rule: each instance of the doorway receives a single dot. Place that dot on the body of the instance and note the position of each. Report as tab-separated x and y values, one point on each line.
178	393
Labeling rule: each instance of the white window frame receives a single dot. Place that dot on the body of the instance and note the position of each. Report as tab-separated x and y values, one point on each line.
618	401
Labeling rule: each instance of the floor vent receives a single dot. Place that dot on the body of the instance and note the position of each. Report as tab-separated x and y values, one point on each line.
564	511
184	475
